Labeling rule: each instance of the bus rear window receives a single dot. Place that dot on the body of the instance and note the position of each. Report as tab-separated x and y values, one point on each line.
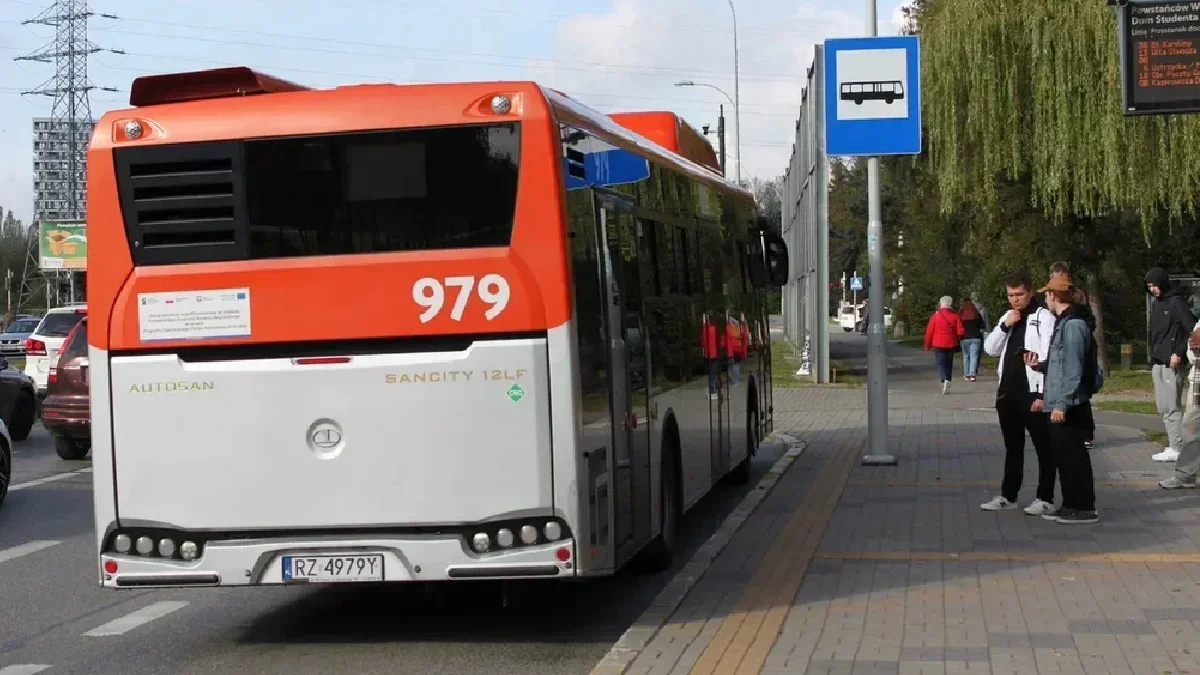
420	189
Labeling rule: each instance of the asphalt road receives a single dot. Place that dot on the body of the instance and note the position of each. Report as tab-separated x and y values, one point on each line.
54	618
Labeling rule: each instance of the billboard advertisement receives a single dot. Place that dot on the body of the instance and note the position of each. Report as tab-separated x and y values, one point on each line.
63	244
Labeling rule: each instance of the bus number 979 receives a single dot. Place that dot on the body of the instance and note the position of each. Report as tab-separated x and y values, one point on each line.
430	293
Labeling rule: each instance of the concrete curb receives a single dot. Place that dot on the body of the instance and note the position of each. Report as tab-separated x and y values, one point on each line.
637	636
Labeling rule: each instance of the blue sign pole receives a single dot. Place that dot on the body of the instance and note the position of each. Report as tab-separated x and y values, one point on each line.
873	108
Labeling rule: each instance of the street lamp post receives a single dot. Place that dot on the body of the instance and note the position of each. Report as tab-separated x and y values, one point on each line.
737	97
737	148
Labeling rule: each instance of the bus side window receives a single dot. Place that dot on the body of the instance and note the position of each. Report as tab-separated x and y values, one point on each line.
648	258
683	263
710	258
665	257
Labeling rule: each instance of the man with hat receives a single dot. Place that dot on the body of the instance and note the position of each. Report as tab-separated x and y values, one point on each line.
1070	370
1063	269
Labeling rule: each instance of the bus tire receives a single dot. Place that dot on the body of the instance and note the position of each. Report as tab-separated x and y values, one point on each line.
71	448
741	473
659	553
23	416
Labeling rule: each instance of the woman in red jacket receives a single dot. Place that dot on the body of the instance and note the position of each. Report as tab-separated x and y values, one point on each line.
942	334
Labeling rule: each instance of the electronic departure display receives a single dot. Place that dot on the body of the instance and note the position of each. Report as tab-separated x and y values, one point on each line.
1160	57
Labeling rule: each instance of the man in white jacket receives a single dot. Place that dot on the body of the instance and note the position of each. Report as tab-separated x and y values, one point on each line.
1025	329
1187	465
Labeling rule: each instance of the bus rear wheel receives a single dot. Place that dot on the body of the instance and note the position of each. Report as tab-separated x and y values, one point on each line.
659	554
741	473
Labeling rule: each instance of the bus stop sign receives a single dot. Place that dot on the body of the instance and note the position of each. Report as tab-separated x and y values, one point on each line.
873	96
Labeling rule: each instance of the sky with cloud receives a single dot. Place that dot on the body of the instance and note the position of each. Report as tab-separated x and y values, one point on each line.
613	55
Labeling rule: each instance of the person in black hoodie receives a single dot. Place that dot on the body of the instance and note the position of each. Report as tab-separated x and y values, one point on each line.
1170	325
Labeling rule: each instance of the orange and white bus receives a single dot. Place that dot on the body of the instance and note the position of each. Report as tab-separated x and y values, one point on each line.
409	333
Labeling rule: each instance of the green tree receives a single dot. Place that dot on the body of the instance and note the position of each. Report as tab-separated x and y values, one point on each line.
1027	93
847	218
767	192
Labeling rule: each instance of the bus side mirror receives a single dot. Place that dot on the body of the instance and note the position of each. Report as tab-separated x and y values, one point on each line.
756	264
767	260
775	257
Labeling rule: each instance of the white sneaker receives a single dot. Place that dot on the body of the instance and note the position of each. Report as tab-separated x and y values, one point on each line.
1168	455
945	388
1039	508
998	503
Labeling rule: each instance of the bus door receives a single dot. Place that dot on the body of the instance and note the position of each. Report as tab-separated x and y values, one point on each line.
714	293
617	236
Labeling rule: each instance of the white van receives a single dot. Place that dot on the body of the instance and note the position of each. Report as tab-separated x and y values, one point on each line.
41	347
848	317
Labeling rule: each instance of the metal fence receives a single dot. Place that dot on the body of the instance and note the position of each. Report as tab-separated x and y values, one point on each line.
805	228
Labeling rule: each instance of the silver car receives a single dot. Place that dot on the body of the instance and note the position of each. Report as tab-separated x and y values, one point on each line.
12	340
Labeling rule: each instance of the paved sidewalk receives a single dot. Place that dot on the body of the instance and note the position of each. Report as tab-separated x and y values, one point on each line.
851	569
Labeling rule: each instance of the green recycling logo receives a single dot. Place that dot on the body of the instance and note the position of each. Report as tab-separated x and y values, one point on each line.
515	392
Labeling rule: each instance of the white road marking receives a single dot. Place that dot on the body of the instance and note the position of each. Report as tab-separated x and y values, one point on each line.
23	669
25	549
134	619
48	479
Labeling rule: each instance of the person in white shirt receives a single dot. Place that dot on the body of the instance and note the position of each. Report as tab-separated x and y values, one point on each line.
1023	332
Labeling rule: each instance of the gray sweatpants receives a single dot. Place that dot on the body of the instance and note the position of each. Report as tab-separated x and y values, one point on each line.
1188	464
1168	398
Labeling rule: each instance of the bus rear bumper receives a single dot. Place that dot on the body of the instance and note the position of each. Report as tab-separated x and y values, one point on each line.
260	562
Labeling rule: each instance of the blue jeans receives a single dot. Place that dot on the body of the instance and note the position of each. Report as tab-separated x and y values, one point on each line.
971	349
945	363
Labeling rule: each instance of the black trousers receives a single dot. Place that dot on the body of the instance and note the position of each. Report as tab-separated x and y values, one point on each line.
1089	421
1074	463
1015	419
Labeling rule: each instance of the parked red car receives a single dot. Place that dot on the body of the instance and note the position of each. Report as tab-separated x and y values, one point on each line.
65	412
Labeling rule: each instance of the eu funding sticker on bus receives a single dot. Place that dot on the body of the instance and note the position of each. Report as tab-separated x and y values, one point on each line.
194	315
873	96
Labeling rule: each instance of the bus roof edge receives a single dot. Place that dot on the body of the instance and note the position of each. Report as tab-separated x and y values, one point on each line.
205	84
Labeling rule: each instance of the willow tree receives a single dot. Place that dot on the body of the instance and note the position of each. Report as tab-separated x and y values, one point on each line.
1030	90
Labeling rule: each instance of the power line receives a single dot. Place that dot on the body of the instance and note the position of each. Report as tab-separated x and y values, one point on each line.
615	70
361	76
648	70
555	17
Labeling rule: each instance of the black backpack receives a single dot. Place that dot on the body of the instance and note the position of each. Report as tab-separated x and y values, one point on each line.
1092	379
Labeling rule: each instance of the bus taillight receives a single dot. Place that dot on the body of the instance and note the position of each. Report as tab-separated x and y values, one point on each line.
320	360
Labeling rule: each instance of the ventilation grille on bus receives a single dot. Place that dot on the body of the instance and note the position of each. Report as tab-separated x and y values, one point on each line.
183	203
